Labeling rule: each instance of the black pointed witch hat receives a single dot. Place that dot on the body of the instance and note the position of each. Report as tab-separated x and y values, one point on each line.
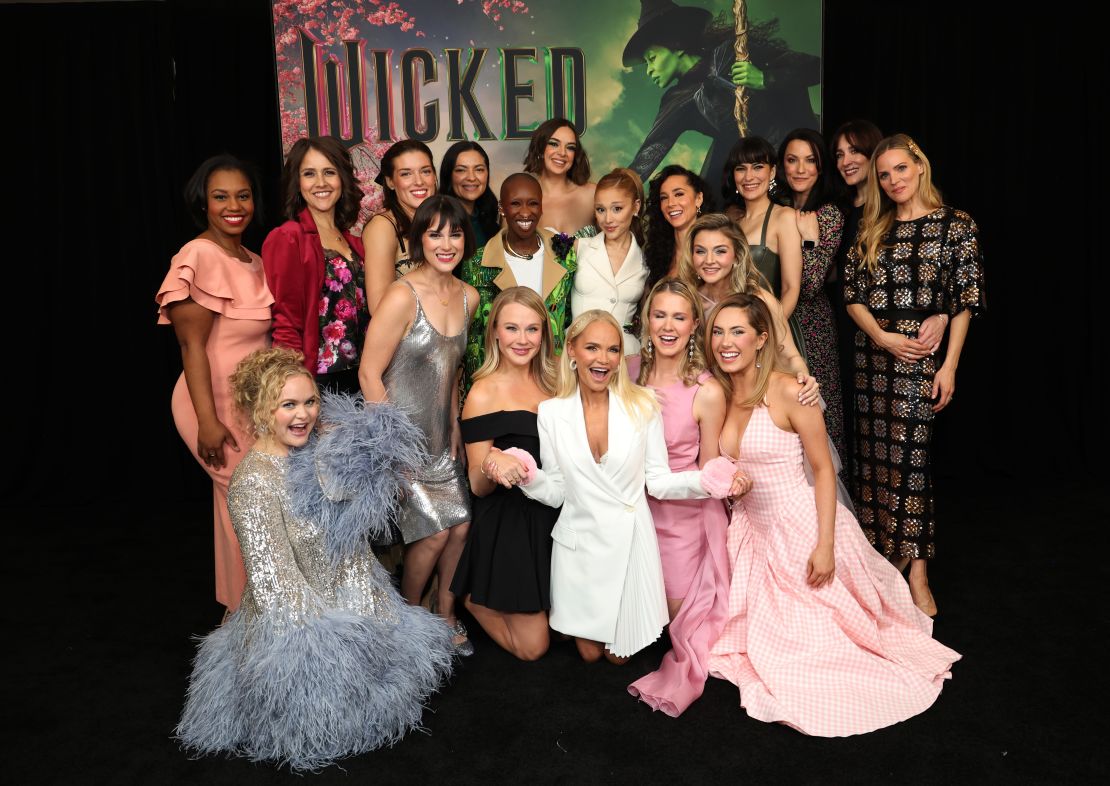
665	23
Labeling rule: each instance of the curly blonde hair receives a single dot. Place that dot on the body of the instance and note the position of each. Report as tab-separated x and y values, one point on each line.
744	276
257	382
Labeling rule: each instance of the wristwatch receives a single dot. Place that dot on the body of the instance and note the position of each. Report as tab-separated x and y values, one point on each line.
808	245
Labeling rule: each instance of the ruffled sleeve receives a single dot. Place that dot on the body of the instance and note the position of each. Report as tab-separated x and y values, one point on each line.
962	276
201	271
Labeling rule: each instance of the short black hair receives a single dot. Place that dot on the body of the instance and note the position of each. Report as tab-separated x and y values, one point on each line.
196	188
450	212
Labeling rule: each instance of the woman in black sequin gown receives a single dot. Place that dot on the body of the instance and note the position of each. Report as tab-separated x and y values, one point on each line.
914	257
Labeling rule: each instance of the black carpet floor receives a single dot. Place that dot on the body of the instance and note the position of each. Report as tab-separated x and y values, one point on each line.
103	604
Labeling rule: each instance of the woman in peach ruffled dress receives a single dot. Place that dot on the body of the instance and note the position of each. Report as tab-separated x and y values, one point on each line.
216	298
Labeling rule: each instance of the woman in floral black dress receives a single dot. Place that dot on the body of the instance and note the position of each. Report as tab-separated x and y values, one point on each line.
914	257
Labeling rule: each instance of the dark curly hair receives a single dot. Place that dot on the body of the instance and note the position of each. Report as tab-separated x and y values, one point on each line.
196	188
660	246
533	160
346	209
823	190
485	206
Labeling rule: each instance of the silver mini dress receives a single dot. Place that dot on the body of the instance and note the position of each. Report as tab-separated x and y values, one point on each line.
420	380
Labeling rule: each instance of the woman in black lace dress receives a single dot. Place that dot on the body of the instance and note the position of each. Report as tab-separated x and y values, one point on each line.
914	257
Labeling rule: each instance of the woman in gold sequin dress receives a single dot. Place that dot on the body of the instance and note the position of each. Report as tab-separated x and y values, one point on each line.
323	659
914	257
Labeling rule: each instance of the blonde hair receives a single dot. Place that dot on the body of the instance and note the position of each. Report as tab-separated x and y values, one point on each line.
879	209
638	401
543	368
692	364
767	357
744	277
626	180
257	382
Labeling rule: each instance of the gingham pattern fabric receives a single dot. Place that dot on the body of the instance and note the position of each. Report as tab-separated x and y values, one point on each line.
851	657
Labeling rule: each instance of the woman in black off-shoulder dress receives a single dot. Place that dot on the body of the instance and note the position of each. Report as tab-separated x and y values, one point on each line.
504	574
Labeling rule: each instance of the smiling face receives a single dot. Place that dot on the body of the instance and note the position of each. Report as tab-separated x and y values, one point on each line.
414	179
230	203
753	180
679	202
470	176
802	167
320	184
558	154
734	342
614	210
850	162
713	256
444	246
519	333
670	324
297	410
663	64
899	175
597	352
522	204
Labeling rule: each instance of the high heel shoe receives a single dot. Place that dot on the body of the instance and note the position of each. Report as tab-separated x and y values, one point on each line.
464	648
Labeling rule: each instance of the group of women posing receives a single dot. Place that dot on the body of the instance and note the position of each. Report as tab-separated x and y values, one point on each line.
589	500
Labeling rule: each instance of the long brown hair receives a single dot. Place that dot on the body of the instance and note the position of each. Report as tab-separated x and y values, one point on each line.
579	171
346	209
767	357
879	210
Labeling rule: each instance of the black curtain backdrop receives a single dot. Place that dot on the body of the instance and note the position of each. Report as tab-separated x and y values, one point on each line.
115	103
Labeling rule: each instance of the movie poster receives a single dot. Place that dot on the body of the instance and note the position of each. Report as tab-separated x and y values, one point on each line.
645	82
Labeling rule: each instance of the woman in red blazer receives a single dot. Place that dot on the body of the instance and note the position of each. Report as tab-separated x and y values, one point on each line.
314	265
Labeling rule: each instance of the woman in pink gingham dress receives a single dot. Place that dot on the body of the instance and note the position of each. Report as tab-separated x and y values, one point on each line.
822	634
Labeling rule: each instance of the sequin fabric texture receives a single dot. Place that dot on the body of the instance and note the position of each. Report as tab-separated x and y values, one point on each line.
420	380
285	557
927	266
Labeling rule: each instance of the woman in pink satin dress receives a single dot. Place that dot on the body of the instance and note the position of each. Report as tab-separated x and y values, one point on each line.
822	634
216	298
691	532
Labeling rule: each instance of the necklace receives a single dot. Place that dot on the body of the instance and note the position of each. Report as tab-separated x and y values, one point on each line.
443	302
515	253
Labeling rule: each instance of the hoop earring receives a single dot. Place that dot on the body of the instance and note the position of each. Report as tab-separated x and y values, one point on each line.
573	364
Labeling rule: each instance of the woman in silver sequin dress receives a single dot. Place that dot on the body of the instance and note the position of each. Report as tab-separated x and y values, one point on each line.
914	258
323	659
413	358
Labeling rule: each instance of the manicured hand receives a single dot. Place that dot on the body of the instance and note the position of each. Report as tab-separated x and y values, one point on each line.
810	394
944	388
211	438
807	225
821	566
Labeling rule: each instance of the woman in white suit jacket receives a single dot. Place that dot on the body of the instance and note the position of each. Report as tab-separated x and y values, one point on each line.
601	441
611	271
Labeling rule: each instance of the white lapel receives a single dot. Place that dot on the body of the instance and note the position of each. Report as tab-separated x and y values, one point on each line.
633	264
620	434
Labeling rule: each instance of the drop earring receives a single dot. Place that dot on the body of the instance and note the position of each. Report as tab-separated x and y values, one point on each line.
650	348
690	348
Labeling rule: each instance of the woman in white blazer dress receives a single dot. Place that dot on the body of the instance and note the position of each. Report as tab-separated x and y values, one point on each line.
611	271
601	441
